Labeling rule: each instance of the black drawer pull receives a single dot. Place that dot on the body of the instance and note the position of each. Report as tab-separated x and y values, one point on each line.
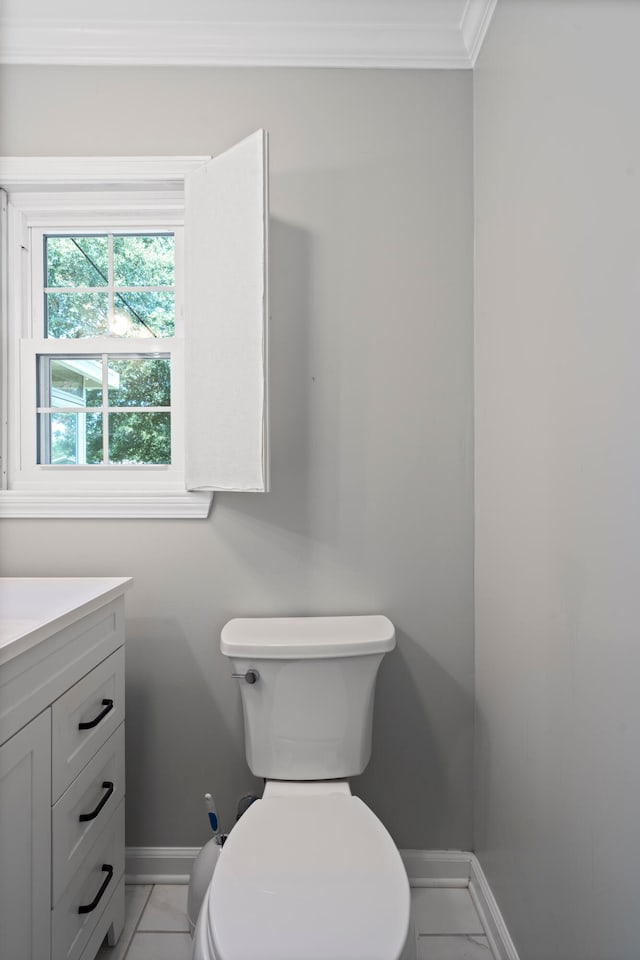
108	707
87	908
106	785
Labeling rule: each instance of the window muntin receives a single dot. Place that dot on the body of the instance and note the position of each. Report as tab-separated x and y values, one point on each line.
105	409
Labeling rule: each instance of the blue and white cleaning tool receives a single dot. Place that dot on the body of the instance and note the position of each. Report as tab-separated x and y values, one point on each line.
211	813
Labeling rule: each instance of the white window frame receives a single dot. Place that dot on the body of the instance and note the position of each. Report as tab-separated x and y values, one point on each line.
70	202
222	204
25	471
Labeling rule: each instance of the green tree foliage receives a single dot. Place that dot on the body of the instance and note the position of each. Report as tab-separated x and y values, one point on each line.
83	261
138	437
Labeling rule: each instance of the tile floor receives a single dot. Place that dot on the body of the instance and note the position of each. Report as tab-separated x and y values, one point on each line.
156	927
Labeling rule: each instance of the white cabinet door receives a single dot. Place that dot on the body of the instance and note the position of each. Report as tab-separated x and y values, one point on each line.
25	842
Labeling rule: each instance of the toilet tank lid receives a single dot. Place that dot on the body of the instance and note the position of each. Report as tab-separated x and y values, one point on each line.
286	638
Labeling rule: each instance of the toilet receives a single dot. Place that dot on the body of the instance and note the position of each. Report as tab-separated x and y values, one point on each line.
308	872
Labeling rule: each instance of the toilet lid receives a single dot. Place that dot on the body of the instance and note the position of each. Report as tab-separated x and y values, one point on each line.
317	878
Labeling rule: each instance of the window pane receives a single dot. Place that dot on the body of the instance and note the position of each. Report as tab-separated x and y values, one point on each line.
70	438
72	382
93	448
149	314
75	315
143	261
140	383
140	438
77	261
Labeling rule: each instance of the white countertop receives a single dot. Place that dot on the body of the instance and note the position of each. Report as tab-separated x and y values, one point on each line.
34	608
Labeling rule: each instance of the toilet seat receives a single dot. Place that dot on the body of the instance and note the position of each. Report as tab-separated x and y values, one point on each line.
308	877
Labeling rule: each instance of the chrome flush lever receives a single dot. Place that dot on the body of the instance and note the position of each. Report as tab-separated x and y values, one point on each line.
250	676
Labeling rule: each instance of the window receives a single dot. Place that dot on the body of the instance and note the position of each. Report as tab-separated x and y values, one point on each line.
134	377
107	408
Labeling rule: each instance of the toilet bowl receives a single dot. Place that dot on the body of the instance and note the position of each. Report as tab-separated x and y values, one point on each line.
308	872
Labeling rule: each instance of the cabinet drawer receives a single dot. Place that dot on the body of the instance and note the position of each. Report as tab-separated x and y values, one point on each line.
32	681
91	889
93	795
84	718
111	921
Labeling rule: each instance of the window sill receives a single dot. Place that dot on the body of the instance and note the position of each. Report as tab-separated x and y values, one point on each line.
111	504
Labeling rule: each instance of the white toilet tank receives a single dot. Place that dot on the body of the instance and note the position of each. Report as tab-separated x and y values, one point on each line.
308	715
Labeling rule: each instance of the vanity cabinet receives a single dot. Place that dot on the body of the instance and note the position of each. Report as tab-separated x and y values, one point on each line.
25	841
62	770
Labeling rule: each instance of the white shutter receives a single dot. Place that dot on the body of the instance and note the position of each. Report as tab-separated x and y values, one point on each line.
226	219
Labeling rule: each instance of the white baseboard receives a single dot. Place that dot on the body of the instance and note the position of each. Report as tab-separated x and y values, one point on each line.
496	929
425	868
437	868
159	864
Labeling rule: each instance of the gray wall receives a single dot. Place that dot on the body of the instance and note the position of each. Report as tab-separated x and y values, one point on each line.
371	509
557	179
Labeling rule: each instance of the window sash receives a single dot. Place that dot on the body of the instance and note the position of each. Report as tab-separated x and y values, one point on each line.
73	476
72	406
38	289
26	472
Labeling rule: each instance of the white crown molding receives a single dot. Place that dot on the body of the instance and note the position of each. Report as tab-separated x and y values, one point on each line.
474	25
398	41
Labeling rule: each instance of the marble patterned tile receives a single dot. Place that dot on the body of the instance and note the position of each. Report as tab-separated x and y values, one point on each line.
454	948
161	946
156	925
166	909
135	900
444	910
